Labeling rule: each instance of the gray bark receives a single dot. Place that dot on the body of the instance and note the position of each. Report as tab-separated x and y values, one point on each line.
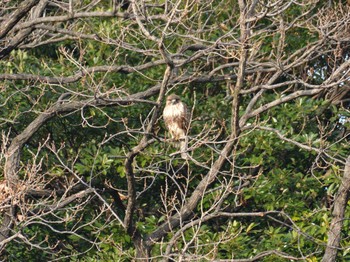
340	203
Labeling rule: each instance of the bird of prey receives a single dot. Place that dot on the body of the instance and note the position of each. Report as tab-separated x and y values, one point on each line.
176	118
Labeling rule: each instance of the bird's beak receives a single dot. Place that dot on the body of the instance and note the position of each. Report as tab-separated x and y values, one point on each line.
173	101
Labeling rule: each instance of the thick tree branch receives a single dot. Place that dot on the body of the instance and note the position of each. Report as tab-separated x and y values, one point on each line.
64	202
23	34
125	69
340	204
279	101
20	12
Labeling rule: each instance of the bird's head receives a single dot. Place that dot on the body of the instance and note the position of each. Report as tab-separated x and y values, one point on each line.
172	99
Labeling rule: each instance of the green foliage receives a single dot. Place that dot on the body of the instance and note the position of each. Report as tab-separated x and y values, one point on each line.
90	145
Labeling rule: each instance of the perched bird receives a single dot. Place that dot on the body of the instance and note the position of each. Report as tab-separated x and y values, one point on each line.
176	118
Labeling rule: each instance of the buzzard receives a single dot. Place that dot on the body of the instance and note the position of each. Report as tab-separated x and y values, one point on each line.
176	118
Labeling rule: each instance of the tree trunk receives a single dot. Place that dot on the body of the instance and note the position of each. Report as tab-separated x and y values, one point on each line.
7	224
142	250
334	234
10	172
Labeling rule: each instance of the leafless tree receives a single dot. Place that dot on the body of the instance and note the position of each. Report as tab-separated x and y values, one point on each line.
212	45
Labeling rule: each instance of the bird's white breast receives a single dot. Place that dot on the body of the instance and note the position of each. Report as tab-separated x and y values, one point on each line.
174	110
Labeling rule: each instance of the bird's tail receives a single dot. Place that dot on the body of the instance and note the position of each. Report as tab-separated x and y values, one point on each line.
183	148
